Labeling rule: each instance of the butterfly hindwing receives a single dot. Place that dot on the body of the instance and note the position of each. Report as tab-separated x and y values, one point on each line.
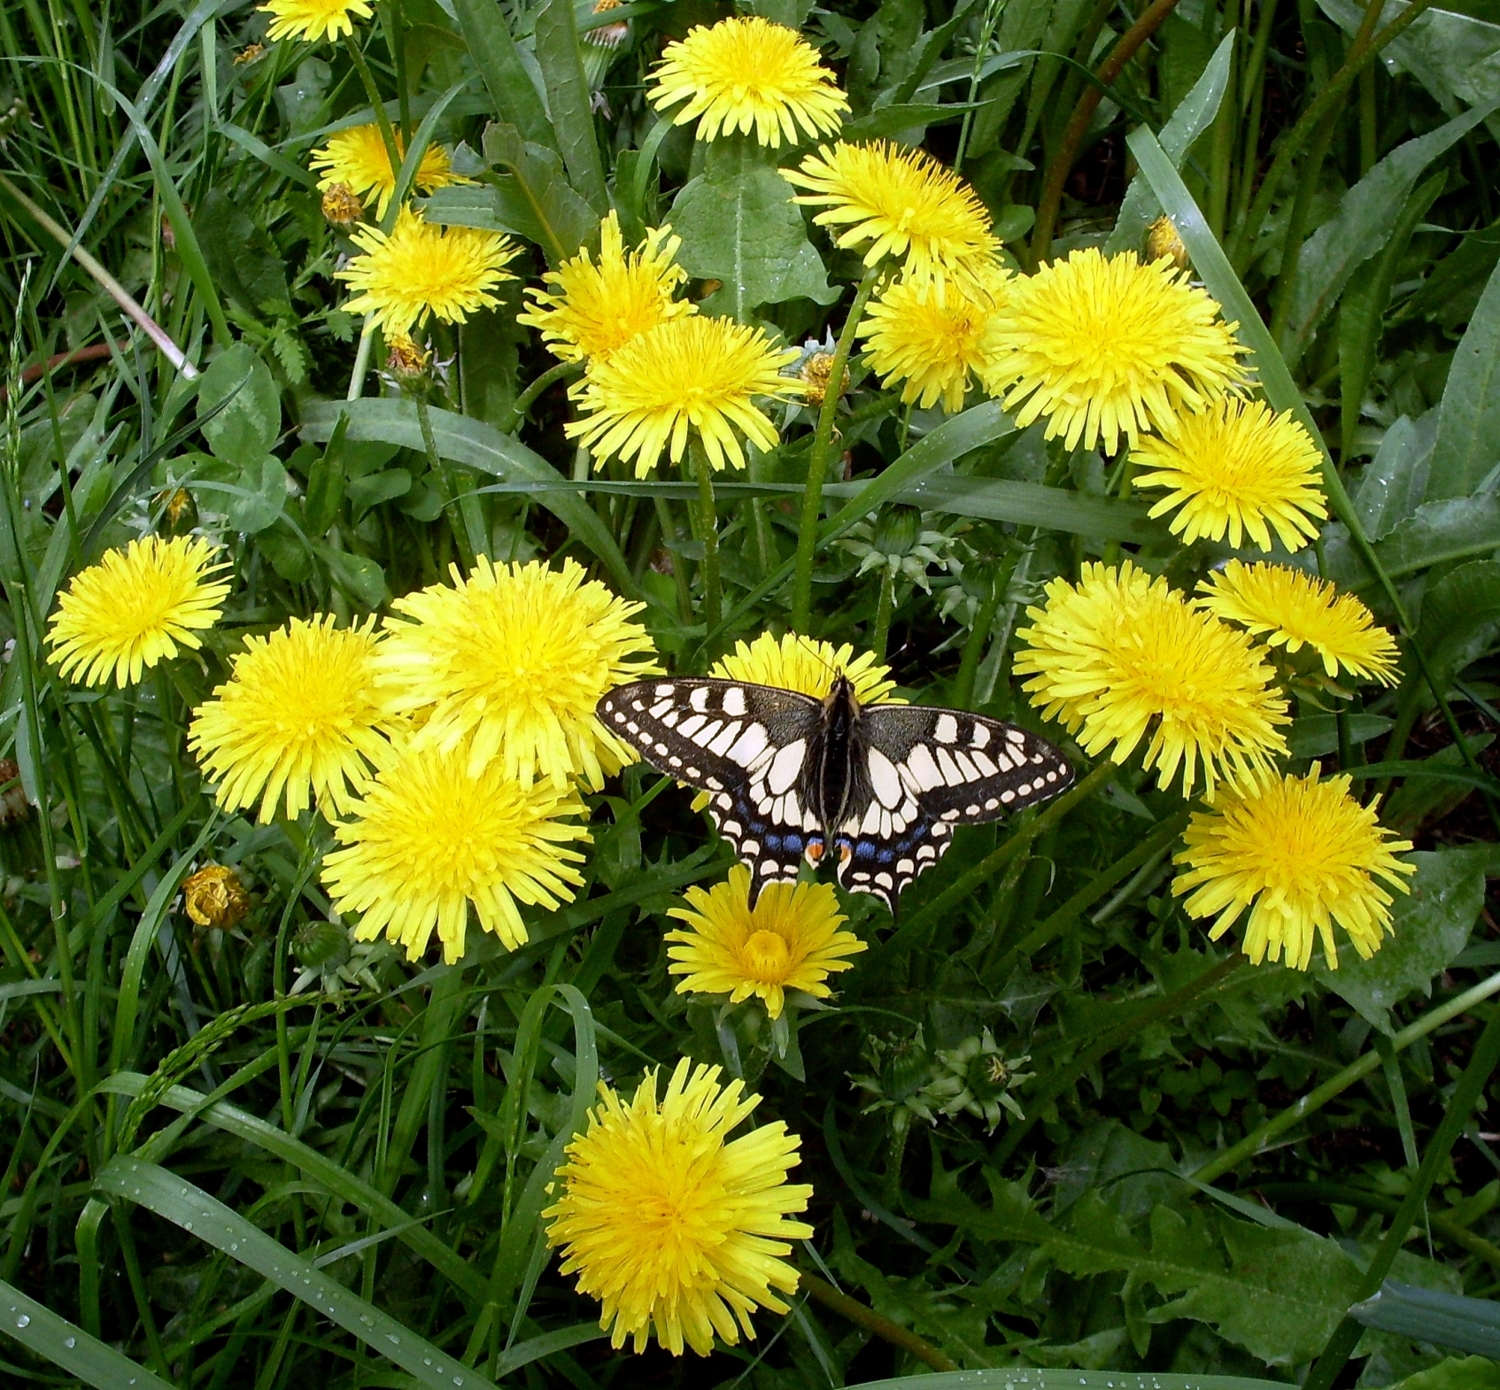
743	744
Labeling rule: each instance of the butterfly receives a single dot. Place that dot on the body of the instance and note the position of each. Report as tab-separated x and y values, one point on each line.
878	788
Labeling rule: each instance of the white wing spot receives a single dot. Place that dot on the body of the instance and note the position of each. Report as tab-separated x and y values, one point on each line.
691	773
885	781
675	761
885	880
967	767
991	804
922	768
691	725
785	766
749	849
749	746
664	692
1007	797
633	727
660	708
984	763
734	701
981	735
1052	776
946	729
905	867
699	699
951	774
721	742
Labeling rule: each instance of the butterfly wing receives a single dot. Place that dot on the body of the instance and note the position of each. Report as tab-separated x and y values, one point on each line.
927	770
743	744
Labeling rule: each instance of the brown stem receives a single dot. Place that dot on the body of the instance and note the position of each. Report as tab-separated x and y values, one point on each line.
892	1332
1083	113
92	353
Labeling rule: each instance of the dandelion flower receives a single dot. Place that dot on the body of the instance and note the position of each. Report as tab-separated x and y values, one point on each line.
215	897
693	372
418	269
790	940
314	19
1104	346
674	1227
1232	469
516	657
1306	854
299	718
794	662
357	158
595	309
1291	609
745	73
434	834
1122	657
135	608
902	202
935	342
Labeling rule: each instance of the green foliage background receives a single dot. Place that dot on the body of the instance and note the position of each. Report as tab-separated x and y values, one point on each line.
227	1165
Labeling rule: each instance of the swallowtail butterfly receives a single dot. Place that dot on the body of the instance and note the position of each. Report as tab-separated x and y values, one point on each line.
877	787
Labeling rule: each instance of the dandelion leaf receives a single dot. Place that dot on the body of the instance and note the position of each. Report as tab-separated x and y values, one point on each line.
243	431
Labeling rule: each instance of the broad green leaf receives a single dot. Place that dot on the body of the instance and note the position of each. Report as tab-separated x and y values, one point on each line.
1468	435
209	1220
569	102
477	445
1391	486
1029	1378
242	257
42	1332
360	577
535	199
738	225
1315	735
1194	114
1360	228
1436	533
1461	617
1432	925
1032	504
1429	1315
255	498
914	116
1470	1373
244	430
495	54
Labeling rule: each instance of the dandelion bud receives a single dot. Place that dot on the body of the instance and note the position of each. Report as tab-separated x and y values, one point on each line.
321	946
405	359
179	513
341	205
1162	239
896	532
215	897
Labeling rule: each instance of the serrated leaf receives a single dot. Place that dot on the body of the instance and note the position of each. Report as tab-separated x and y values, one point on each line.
535	199
1432	925
568	100
1437	533
738	225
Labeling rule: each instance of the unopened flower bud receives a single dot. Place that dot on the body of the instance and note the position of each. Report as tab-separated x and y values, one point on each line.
1162	239
321	946
215	897
341	205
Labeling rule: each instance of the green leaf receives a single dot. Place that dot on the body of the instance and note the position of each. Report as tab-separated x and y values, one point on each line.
1360	228
1391	486
1472	1373
371	491
191	1208
1025	1378
1468	435
245	429
1437	533
1461	617
37	1328
325	483
1430	1315
495	54
1315	735
738	225
256	498
476	445
360	577
242	256
914	116
1194	114
535	198
1432	925
568	100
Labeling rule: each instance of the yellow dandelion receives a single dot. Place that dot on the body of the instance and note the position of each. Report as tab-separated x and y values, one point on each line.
135	608
1291	609
300	719
358	160
215	897
418	269
674	1227
1104	346
935	342
695	373
1121	656
902	202
515	658
1232	469
745	73
314	19
595	309
1306	854
434	835
794	662
790	940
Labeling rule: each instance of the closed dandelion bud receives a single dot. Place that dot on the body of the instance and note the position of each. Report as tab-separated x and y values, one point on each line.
341	205
905	1070
13	804
321	946
179	513
406	360
1162	239
896	532
215	897
816	372
988	1076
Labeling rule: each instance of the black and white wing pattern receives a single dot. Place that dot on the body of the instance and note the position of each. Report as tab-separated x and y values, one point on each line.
924	771
743	744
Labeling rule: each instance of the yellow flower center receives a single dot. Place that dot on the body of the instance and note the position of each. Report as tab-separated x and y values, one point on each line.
767	958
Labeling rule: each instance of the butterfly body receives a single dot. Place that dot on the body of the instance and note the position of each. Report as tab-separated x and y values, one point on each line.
791	777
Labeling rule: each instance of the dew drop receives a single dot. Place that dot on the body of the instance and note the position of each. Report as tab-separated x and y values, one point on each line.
23	1321
70	1342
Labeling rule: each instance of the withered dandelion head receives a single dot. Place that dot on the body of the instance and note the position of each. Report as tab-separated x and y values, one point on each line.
1291	609
746	73
1237	470
514	660
1122	659
590	310
341	205
689	374
1103	346
215	897
300	719
790	940
677	1229
135	608
435	835
1303	855
419	269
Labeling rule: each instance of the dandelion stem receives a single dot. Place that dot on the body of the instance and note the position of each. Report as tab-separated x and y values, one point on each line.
883	606
812	496
514	417
361	361
669	537
708	526
872	1321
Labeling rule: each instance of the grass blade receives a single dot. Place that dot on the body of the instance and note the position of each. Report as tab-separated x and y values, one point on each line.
37	1328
